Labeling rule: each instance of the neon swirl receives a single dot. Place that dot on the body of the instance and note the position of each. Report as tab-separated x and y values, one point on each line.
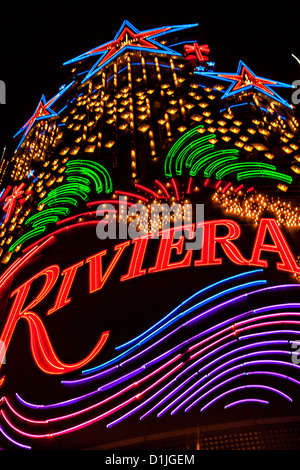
246	357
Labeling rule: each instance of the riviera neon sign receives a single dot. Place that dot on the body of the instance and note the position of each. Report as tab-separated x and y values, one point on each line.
41	347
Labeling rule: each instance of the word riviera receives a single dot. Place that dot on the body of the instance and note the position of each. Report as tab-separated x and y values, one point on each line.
169	254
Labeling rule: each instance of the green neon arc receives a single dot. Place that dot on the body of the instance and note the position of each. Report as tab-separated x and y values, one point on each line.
210	169
89	168
63	211
81	174
228	169
211	156
197	155
187	152
175	148
265	174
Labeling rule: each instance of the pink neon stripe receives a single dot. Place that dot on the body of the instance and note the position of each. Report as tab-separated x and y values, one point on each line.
163	188
175	188
136	196
153	193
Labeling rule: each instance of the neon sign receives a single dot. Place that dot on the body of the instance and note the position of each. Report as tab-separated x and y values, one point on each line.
170	255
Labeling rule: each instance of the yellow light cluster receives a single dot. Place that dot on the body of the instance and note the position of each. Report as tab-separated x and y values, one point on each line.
253	205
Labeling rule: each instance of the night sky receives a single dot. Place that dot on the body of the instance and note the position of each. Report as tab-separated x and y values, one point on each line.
36	38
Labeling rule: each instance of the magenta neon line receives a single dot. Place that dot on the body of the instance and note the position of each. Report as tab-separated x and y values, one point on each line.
134	384
142	393
93	420
71	401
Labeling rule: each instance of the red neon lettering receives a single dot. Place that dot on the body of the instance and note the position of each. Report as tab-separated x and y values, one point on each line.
97	278
280	246
41	347
165	250
137	258
62	297
210	240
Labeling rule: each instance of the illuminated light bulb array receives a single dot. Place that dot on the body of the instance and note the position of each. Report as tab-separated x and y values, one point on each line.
253	206
122	99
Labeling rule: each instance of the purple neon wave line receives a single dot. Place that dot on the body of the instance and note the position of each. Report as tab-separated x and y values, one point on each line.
265	387
88	422
199	381
200	370
130	412
169	394
167	385
156	395
275	374
71	401
92	377
228	363
140	369
197	306
16	443
200	334
140	343
246	400
272	332
264	289
242	348
119	393
183	371
98	404
71	415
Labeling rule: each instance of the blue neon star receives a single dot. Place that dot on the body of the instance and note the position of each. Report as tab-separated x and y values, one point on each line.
245	80
43	111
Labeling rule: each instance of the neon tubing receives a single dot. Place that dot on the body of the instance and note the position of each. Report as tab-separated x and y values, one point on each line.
18	444
264	174
214	379
246	400
265	387
188	322
240	166
210	287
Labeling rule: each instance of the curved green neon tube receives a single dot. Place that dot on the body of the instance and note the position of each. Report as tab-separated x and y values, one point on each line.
215	165
96	167
264	174
55	211
26	236
175	148
246	165
195	154
202	162
91	174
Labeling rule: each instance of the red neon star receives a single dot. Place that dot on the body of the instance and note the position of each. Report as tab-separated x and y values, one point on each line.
42	111
246	79
129	38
